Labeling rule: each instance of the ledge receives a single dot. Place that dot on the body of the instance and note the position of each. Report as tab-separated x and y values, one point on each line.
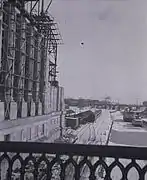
7	126
75	149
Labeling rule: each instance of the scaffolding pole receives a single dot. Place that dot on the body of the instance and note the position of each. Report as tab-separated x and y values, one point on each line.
30	38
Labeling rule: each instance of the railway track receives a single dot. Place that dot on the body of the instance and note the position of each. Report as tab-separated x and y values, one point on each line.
79	134
89	127
92	135
98	114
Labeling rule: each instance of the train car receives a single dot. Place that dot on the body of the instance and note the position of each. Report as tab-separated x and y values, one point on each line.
86	117
128	116
83	117
137	121
144	122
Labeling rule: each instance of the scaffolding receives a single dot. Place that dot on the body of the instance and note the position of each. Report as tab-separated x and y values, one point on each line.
30	39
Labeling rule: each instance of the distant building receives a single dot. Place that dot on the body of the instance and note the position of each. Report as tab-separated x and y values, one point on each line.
81	102
144	103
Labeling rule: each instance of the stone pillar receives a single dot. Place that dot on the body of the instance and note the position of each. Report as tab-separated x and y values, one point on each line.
62	99
44	45
20	58
52	90
49	98
23	104
29	70
1	21
57	100
37	64
47	87
9	46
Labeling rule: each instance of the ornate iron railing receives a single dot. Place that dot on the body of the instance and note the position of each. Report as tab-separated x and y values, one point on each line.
42	161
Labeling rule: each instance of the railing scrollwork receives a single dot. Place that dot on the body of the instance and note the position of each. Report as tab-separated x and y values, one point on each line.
43	161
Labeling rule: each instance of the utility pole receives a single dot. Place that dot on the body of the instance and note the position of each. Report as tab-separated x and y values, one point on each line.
61	128
137	103
61	118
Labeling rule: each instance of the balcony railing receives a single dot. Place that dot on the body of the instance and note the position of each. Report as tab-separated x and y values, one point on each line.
42	161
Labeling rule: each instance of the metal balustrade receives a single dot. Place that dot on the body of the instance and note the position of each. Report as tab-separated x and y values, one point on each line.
43	161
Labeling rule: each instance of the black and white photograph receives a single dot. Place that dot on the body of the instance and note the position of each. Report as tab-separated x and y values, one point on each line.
73	90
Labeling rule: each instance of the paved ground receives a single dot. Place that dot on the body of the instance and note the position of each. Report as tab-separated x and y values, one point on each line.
95	133
124	133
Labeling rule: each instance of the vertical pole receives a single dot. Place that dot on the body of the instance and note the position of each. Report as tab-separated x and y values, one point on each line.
1	72
20	59
42	8
49	50
1	22
37	71
55	61
62	111
11	47
29	66
38	7
61	128
42	71
9	55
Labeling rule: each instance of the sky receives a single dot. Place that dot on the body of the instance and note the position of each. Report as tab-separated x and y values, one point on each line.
113	58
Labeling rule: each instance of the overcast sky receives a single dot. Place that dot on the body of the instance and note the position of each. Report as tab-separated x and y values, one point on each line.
113	59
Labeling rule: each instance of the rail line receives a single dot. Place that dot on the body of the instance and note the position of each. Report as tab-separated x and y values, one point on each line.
92	135
91	128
